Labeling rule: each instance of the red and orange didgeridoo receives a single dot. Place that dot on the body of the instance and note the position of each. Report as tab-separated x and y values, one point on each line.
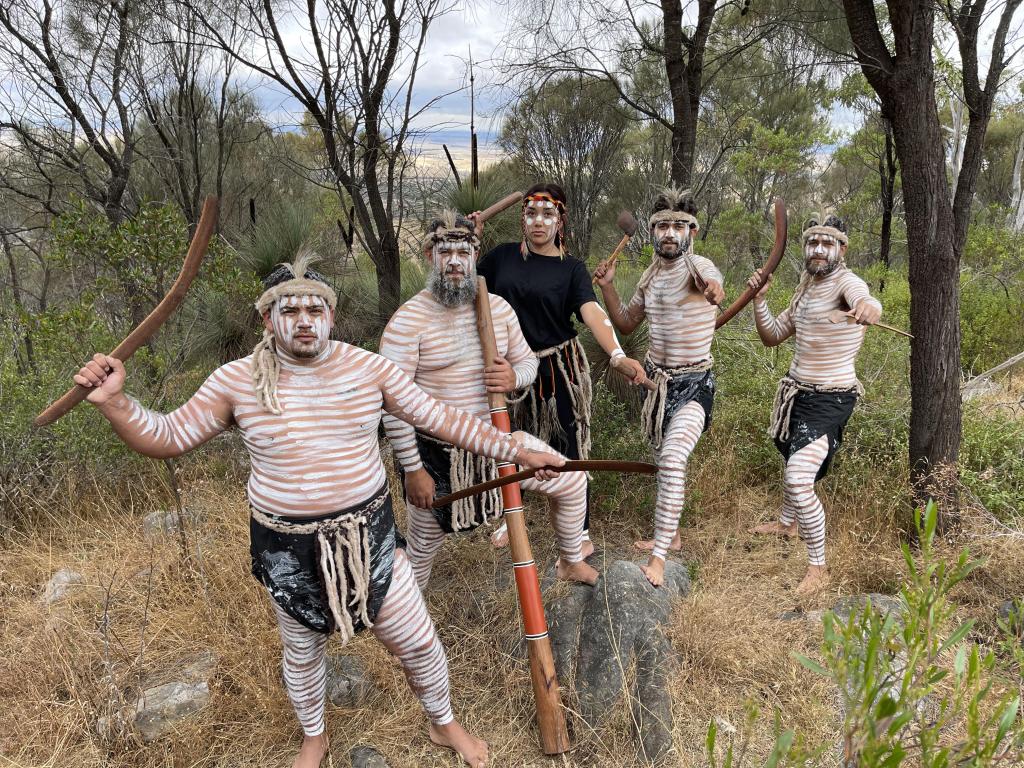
554	737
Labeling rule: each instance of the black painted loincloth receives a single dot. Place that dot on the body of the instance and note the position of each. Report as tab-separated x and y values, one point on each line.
288	564
440	460
680	389
817	414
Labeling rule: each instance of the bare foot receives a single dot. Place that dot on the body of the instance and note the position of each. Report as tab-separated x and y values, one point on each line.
499	538
817	578
454	736
648	544
582	572
654	570
776	528
588	548
312	752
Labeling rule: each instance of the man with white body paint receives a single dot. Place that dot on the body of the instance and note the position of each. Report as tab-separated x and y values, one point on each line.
817	397
677	296
322	528
433	338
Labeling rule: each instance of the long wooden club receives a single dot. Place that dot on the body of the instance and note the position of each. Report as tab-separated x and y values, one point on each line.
144	330
554	737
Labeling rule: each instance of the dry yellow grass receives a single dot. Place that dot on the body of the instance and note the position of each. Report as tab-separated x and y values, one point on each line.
141	612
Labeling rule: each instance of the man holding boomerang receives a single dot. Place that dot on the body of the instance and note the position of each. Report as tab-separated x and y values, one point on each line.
677	295
322	529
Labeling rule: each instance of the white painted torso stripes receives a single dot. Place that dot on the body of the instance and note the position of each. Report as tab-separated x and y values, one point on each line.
825	352
321	454
439	348
680	320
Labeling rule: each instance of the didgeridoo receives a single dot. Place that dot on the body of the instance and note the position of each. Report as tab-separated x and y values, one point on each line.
554	737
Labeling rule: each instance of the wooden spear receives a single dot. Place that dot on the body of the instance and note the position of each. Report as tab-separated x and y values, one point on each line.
554	738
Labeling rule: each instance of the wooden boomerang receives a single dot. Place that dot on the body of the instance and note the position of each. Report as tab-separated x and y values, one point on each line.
599	465
145	330
774	258
838	316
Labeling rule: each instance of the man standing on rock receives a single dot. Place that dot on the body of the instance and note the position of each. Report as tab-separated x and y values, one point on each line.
322	528
433	339
816	398
677	295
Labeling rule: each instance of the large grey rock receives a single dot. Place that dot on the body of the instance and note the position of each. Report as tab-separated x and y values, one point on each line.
604	629
624	613
60	585
363	756
348	681
563	606
652	702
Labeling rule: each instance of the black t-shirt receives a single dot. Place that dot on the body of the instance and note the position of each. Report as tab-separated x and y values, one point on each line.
544	291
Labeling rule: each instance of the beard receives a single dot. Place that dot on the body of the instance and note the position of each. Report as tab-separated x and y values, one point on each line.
830	265
682	246
449	293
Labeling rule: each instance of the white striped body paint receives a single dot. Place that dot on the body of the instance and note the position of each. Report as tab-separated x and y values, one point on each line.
825	354
680	320
439	348
406	630
681	326
321	454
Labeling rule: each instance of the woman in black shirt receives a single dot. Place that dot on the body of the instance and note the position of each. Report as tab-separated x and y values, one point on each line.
547	287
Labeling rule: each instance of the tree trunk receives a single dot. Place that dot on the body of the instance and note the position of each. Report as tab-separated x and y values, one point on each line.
887	180
935	413
389	276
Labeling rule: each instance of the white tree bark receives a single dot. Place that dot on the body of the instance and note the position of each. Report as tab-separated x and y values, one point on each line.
1017	202
958	111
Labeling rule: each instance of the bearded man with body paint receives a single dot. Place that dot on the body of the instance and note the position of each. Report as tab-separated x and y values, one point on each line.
816	398
677	296
433	338
322	528
547	287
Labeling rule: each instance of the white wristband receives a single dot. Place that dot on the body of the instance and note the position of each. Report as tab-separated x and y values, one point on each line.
617	354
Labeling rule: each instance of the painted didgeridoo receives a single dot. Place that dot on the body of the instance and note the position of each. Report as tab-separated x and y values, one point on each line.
554	737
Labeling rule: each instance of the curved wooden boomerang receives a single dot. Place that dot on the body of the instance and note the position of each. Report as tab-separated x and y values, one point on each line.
774	258
145	330
598	465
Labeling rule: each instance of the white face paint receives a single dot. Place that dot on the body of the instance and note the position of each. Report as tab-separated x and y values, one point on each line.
540	221
302	324
821	253
672	237
454	260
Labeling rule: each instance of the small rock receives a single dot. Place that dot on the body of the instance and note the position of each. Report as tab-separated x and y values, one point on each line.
160	709
348	682
1012	612
363	756
59	585
166	521
852	604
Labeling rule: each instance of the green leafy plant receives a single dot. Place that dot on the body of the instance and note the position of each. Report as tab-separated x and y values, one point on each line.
911	689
